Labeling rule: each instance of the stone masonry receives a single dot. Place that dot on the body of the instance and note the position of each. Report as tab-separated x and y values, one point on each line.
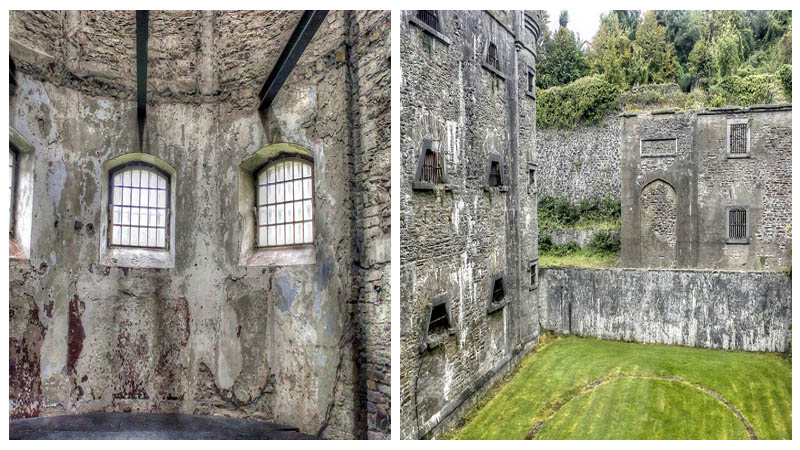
464	239
302	345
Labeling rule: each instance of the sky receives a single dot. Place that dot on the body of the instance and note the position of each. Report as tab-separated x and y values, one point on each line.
584	21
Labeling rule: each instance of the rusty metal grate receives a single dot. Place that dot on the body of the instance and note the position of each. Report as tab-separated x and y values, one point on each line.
738	138
285	203
494	174
737	224
498	293
429	18
432	168
491	56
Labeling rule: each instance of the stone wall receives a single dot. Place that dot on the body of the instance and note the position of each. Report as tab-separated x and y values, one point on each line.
457	237
582	163
299	345
683	157
723	310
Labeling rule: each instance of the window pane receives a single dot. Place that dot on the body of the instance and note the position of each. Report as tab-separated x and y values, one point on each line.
271	214
279	213
126	216
271	175
161	240
143	236
288	196
280	236
307	188
162	199
151	237
270	235
126	235
262	215
262	177
152	220
162	182
118	179
308	233
279	172
262	195
162	217
288	167
297	169
289	212
126	178
298	211
298	189
135	178
153	181
117	215
117	196
145	178
307	210
153	194
262	236
115	235
289	235
126	196
306	170
134	236
271	193
143	197
135	197
298	233
134	216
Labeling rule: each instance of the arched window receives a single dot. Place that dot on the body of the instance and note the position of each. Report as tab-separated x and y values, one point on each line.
139	206
285	203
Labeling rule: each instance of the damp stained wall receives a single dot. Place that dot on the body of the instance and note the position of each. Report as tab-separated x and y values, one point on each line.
209	336
456	237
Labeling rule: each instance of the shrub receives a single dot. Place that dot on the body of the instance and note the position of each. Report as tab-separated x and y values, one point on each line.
745	91
585	100
545	243
786	80
604	242
556	212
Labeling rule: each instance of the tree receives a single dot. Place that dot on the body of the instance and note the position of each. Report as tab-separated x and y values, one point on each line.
564	61
629	20
611	53
563	19
726	52
654	58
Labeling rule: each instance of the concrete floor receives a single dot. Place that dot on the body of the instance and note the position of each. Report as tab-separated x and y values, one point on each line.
148	426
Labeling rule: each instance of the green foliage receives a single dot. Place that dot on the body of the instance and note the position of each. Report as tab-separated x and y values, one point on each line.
611	54
564	61
585	100
786	80
559	212
654	59
759	385
745	91
604	242
727	52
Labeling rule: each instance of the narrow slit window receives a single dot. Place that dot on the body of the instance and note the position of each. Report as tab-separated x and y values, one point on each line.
284	203
139	207
12	185
531	81
429	18
494	174
491	56
534	276
498	291
737	224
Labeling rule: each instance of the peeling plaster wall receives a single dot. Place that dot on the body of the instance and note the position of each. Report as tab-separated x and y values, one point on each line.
209	336
698	308
456	237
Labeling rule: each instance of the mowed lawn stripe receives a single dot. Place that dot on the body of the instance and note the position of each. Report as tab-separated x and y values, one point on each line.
757	384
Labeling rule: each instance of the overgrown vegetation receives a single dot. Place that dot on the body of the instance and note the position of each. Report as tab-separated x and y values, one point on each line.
718	58
559	213
636	401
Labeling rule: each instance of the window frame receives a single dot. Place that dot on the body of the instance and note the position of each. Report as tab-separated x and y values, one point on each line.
492	305
419	184
12	225
728	210
495	158
110	205
438	34
730	122
283	157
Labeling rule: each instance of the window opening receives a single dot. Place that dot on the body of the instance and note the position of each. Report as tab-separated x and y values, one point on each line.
285	203
494	173
491	56
737	224
498	292
738	138
429	18
432	167
139	202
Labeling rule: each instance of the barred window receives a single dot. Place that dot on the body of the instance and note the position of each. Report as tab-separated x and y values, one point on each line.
491	56
737	224
429	18
738	138
12	185
139	203
432	167
285	203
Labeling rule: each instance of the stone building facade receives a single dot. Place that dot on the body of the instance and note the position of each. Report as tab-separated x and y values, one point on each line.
468	228
208	325
707	189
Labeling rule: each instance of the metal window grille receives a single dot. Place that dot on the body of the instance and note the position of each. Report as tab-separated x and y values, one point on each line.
498	293
12	186
494	174
737	224
285	203
738	138
429	18
491	56
439	319
139	204
432	167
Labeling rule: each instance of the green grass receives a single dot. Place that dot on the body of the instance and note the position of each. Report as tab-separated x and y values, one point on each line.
580	259
627	406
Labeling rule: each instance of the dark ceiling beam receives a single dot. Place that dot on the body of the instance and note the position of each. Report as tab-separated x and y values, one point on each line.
142	20
301	36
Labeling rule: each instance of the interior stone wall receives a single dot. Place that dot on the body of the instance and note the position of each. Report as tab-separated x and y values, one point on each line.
457	237
279	343
729	310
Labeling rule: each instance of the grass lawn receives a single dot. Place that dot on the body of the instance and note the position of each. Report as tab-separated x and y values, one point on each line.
576	388
580	259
